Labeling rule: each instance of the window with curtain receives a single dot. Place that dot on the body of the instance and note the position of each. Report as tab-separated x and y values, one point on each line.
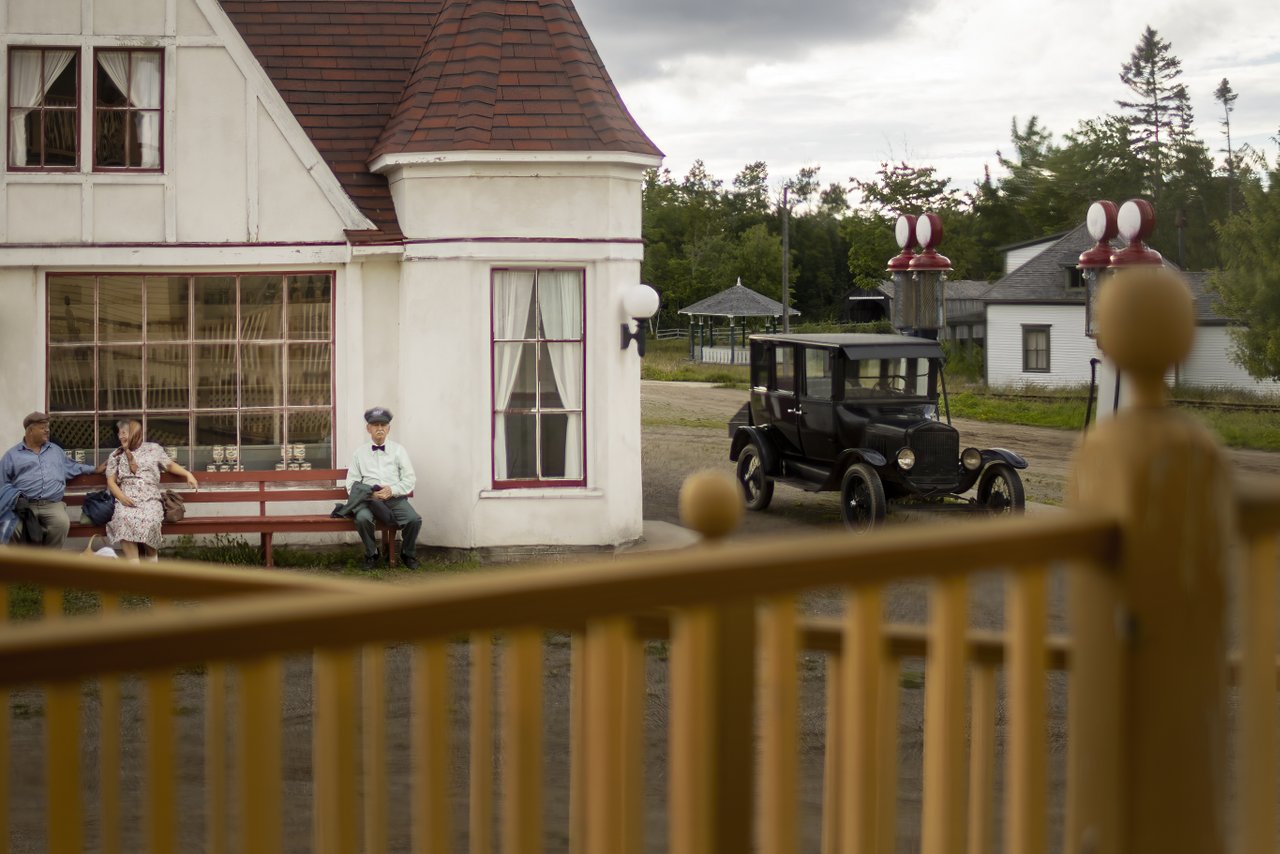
127	109
224	370
1035	349
538	378
43	108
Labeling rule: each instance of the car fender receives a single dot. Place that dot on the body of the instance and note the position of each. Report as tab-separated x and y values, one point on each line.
849	457
1000	455
759	437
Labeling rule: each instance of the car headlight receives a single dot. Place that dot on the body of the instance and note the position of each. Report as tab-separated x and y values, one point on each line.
906	459
971	458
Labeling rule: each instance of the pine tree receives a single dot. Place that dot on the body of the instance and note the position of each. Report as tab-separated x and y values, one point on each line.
1225	96
1162	114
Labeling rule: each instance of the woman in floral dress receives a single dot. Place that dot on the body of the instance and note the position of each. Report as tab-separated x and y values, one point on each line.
133	476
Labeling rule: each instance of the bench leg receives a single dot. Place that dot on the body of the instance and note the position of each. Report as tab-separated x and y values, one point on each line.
266	551
389	545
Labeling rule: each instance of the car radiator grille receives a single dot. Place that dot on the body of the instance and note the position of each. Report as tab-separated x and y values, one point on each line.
937	455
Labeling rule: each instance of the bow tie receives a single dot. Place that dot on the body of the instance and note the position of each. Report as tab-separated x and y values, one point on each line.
379	447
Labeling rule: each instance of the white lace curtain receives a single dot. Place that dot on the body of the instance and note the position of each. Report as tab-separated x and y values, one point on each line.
512	301
559	324
28	83
560	303
137	76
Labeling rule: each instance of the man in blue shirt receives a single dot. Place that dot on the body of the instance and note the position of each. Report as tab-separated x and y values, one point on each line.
384	466
37	470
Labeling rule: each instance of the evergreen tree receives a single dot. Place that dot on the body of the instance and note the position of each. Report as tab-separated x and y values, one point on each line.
1249	284
1162	111
1225	96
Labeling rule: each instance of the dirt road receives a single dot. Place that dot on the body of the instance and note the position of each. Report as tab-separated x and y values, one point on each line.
685	430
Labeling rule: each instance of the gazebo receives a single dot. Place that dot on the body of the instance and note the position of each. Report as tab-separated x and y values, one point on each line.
738	303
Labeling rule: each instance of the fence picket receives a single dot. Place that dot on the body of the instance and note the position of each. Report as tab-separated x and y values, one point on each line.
779	771
945	769
481	733
522	742
64	803
430	716
335	752
258	755
1027	780
373	728
161	810
859	684
982	759
1256	739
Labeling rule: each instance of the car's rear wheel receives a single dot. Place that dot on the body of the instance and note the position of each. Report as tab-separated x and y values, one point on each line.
862	502
1000	490
757	487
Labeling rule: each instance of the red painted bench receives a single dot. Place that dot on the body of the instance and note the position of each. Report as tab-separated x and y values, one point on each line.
266	489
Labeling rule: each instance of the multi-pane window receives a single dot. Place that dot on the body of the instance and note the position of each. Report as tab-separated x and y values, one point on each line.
1035	349
43	108
538	378
127	109
44	100
225	370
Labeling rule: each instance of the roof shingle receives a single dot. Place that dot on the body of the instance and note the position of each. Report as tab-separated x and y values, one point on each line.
372	77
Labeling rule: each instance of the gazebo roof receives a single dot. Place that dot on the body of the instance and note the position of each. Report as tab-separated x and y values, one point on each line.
737	301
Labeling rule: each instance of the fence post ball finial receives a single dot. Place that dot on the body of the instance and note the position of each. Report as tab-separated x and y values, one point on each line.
711	503
1146	320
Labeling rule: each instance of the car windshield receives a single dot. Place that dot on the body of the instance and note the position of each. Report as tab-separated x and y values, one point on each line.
898	378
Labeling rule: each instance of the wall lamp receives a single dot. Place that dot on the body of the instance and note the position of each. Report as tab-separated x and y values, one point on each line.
639	302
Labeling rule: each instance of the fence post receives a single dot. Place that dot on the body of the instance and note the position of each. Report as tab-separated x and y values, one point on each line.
1154	739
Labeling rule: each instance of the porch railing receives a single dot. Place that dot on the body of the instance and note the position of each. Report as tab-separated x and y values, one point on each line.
273	713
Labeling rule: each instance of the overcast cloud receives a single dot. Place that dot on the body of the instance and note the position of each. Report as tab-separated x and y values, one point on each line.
845	85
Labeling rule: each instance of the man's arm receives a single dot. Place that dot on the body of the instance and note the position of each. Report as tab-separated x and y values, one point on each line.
354	474
407	477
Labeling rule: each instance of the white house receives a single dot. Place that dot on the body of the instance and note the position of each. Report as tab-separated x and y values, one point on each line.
1035	323
251	221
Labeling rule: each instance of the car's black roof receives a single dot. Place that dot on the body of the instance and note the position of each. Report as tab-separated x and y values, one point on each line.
861	345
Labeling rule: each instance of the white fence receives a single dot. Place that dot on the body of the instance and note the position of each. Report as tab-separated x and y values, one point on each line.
722	355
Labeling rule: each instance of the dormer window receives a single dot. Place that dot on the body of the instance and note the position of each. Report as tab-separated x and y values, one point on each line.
1075	279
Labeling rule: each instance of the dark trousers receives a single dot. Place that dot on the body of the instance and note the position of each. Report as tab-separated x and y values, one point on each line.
406	519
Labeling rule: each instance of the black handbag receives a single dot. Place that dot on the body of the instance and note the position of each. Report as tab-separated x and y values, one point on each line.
99	506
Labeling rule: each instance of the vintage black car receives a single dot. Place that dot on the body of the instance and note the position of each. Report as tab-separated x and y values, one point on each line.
867	415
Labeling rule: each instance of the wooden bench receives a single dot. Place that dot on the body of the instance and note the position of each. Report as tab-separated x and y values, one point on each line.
263	488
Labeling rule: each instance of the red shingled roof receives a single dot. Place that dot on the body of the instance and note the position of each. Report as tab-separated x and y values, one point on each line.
371	77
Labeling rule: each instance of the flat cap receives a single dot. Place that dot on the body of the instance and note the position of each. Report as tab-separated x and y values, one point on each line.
34	418
377	415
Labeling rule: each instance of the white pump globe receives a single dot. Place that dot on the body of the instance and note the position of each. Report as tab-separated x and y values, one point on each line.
640	301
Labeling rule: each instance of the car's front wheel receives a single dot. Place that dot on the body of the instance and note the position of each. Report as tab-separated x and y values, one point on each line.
862	502
757	487
1000	490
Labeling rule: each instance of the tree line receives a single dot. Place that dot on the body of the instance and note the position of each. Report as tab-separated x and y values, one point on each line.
1223	215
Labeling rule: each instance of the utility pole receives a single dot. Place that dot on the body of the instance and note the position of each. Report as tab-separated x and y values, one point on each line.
786	261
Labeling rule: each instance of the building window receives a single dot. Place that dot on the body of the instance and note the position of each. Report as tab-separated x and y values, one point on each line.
1035	349
127	109
43	108
538	378
225	370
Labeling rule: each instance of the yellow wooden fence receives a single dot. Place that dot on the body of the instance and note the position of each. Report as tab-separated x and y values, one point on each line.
1155	528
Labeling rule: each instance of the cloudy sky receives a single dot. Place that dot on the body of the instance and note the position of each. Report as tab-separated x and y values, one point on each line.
846	84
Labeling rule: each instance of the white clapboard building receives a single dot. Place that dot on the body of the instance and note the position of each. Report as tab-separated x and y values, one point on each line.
248	222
